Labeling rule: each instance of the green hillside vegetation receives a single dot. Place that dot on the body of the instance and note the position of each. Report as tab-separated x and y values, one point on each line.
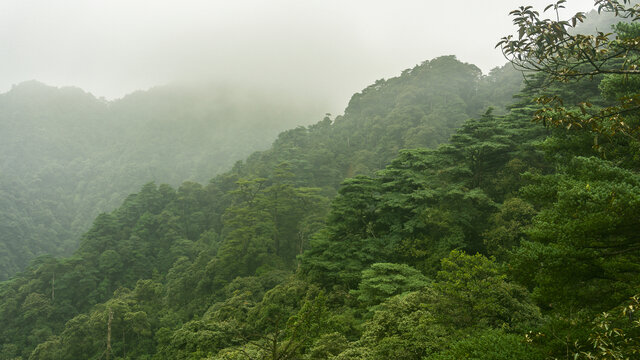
424	223
67	156
261	215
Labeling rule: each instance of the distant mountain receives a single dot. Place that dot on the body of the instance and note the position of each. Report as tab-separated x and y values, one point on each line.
66	156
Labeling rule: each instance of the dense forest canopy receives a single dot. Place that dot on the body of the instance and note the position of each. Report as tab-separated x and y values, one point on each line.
66	156
444	215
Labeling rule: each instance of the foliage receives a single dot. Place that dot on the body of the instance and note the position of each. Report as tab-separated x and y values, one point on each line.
553	47
267	262
66	156
423	205
489	344
468	293
385	280
615	336
471	290
582	246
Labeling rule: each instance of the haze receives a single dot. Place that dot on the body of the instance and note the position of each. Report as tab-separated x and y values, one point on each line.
326	49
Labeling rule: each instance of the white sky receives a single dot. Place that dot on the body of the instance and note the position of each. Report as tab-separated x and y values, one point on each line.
324	48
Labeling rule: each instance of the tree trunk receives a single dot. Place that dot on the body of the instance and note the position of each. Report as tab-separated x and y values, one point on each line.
109	333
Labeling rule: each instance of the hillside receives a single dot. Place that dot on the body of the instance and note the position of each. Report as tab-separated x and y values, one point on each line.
438	218
268	205
67	156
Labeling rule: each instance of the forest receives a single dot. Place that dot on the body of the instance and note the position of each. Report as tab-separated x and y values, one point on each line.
66	156
446	214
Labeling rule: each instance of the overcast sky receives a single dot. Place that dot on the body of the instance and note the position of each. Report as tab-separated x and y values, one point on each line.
325	48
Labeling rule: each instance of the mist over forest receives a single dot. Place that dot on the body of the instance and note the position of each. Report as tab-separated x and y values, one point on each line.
214	187
68	156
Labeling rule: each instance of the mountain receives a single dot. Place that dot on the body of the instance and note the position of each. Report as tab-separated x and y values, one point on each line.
428	221
66	156
249	221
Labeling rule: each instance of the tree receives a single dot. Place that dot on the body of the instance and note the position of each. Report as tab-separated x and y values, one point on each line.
339	252
471	290
582	247
553	47
492	344
550	46
404	327
469	293
615	334
283	325
481	146
384	280
508	226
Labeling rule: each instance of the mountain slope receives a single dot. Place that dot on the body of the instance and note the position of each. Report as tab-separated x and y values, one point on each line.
67	156
251	221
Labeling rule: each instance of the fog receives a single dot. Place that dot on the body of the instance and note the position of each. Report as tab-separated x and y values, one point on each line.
325	49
